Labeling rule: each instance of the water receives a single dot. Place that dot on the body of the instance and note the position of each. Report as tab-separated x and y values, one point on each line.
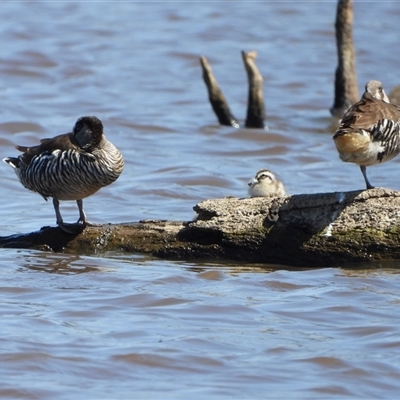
127	326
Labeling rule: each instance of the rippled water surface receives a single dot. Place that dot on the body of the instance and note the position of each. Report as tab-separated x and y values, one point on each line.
121	326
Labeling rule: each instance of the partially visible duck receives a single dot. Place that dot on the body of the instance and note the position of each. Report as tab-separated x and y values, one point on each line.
71	166
369	132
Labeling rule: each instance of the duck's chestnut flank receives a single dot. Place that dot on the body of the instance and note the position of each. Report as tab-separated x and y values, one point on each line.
369	132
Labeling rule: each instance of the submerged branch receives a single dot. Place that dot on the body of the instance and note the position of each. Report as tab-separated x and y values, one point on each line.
216	97
315	230
255	105
346	89
255	117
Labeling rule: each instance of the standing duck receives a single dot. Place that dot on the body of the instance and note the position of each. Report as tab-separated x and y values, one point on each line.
71	166
369	132
266	184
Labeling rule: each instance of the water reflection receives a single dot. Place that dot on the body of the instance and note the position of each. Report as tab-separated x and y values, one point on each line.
70	264
105	261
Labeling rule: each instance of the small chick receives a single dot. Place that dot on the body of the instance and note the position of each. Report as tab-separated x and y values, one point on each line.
266	184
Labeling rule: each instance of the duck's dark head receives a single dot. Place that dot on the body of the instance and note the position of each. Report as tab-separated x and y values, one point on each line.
88	131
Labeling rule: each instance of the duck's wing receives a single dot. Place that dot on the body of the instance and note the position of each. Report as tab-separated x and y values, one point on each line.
62	142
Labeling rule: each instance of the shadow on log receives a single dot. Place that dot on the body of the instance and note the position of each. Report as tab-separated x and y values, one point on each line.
255	117
315	230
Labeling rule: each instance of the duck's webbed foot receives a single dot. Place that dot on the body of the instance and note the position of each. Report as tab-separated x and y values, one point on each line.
72	228
82	216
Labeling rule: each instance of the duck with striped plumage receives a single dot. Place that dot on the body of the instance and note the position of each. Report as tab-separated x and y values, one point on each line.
71	166
369	132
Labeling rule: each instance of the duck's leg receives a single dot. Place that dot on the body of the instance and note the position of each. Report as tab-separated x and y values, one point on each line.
56	205
364	172
68	228
82	215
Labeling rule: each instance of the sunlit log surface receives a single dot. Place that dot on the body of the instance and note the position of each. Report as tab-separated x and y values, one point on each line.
310	230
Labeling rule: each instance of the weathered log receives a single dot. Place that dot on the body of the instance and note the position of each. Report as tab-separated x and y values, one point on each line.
255	117
216	97
310	230
346	89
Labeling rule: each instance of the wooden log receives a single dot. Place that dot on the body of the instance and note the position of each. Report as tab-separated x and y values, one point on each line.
256	115
216	97
346	89
310	230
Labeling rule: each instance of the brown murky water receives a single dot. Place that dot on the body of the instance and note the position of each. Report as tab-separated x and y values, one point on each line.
125	326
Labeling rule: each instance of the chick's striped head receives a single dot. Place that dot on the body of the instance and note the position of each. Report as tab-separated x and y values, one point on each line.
266	184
